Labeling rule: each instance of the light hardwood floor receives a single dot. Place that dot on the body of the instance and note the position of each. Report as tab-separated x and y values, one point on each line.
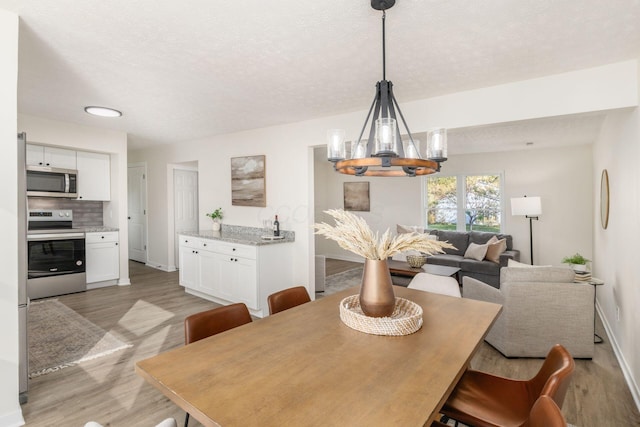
150	314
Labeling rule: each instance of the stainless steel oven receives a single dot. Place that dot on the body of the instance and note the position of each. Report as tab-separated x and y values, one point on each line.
55	254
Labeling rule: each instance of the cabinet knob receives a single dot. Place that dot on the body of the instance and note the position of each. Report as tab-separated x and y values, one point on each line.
116	243
205	244
102	237
128	217
48	164
230	259
40	163
234	249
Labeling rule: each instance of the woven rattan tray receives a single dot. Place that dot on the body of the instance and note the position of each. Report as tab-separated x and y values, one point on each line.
405	319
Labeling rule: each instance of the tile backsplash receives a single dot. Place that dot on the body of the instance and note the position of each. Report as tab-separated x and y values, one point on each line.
85	213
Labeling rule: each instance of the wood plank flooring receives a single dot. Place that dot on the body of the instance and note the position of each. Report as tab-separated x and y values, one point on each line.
150	314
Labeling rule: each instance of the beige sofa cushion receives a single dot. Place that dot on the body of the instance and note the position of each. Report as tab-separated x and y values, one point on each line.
495	249
537	274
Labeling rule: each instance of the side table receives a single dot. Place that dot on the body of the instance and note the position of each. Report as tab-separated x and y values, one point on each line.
595	283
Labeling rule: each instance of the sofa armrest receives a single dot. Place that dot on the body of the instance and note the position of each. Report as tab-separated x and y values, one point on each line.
477	290
513	254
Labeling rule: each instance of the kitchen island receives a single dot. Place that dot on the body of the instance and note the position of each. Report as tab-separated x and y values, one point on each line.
236	264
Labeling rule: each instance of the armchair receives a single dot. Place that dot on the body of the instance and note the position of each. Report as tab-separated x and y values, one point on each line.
541	307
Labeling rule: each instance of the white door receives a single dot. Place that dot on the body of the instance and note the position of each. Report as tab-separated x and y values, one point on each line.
137	214
185	202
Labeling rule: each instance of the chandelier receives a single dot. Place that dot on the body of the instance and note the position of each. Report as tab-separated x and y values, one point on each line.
384	153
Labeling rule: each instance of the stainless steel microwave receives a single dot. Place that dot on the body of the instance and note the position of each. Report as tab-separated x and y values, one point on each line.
43	181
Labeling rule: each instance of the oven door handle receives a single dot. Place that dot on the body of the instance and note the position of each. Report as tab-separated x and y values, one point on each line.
65	236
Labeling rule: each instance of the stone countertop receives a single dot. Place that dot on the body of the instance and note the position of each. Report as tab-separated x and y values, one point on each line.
100	229
240	235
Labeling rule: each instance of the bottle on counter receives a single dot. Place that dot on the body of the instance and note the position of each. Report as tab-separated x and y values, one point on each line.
276	227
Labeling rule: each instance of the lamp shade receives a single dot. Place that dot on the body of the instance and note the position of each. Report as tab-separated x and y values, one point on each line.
528	206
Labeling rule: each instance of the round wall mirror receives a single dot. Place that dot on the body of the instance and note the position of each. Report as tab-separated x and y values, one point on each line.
604	199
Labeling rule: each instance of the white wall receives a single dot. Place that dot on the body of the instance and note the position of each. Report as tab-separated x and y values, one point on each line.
290	187
615	258
10	413
62	134
562	177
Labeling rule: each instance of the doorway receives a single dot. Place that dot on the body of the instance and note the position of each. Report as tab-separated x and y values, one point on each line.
137	211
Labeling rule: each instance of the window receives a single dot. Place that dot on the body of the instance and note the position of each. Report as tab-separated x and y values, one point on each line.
464	202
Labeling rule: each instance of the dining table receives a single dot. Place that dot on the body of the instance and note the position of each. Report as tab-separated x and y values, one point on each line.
305	367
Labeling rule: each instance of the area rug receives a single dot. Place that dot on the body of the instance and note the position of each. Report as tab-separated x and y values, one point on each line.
344	280
59	337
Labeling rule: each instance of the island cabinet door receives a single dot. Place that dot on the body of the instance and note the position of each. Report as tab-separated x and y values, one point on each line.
189	267
246	284
210	266
237	280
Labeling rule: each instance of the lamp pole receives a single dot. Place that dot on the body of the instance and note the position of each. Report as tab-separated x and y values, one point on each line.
531	218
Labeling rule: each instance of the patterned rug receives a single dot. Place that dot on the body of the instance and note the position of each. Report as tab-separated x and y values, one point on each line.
59	337
346	279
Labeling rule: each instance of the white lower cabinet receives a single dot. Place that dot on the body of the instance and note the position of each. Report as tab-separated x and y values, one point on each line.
229	273
102	256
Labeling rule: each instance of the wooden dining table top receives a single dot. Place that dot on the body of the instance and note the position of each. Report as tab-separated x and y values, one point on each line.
305	367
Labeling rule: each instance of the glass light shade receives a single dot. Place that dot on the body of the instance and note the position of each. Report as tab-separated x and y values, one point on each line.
386	137
411	149
359	149
336	147
437	144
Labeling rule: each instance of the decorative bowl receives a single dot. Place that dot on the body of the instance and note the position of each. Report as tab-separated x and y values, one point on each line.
416	261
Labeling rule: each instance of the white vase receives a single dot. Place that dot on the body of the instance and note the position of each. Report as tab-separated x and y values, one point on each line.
216	226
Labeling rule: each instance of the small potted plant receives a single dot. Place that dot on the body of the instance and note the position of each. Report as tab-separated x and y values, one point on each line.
577	262
216	216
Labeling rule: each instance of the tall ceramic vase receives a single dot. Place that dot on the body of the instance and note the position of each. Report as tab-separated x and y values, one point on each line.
376	292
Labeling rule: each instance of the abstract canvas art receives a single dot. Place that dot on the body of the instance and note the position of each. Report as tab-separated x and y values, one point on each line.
356	196
248	181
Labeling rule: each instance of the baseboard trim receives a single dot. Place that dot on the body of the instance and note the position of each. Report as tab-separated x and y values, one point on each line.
12	419
624	366
344	258
161	267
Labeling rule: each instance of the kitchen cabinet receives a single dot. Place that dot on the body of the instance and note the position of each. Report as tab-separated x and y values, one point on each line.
39	155
94	176
102	256
227	272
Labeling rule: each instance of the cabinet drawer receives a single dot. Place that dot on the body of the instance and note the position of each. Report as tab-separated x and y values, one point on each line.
111	236
244	251
191	242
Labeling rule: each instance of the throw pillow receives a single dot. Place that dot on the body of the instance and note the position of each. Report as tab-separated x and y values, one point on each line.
494	250
400	229
475	251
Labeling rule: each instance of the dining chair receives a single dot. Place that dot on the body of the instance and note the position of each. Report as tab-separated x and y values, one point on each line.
485	400
545	413
211	322
287	298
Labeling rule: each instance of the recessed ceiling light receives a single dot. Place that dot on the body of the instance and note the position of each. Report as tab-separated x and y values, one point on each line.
102	111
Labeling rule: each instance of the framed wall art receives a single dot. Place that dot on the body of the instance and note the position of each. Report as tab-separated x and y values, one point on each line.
356	196
248	181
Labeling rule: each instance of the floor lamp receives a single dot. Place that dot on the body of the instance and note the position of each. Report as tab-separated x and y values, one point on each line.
531	208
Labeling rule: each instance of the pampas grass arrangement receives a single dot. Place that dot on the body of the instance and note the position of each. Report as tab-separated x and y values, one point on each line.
352	233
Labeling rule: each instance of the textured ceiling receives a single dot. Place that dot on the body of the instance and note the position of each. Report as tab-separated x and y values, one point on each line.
185	70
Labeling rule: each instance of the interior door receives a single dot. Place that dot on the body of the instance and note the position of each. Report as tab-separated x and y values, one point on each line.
185	200
137	214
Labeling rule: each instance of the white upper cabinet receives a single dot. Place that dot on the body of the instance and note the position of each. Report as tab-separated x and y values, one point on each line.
38	155
94	176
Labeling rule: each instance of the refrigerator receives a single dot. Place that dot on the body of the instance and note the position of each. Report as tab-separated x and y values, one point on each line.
23	365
